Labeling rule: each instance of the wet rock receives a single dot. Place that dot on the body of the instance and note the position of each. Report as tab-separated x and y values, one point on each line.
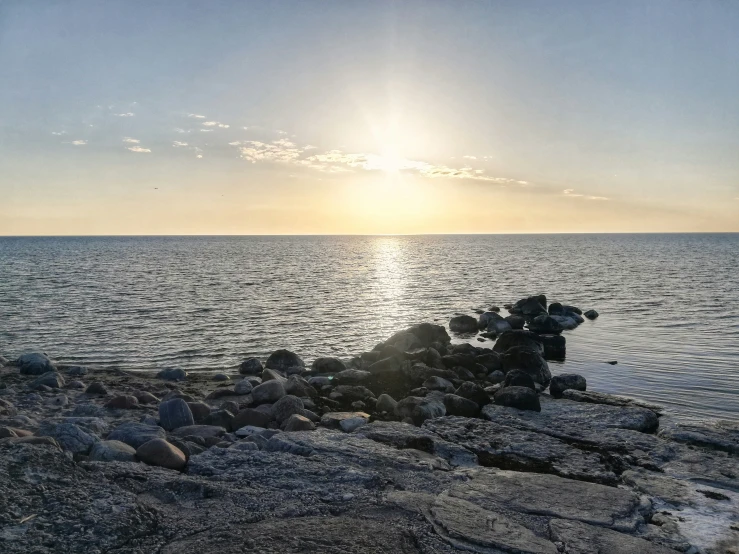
251	366
200	411
463	324
522	398
243	387
250	417
34	364
490	361
516	322
159	452
112	451
282	360
459	406
50	379
298	422
175	413
528	361
582	538
221	377
545	324
487	317
328	365
555	308
175	374
69	436
122	402
385	403
555	346
518	378
591	314
531	306
565	322
285	407
268	392
518	338
565	381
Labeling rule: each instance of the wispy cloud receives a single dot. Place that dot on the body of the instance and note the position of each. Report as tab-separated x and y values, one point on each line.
196	116
131	140
215	124
206	130
139	149
127	114
178	144
572	194
181	130
79	142
59	133
470	157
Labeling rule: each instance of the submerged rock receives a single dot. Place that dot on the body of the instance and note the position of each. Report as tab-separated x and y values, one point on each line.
591	314
34	364
463	324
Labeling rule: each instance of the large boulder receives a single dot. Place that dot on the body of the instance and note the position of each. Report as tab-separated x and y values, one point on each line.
285	407
430	334
463	324
50	379
531	306
459	406
518	337
251	366
518	378
135	434
34	364
522	398
328	365
545	324
282	360
566	381
175	413
268	392
112	451
555	347
529	361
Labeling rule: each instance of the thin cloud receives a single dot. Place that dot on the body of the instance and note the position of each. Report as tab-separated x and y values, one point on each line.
59	133
178	144
79	142
470	157
139	149
216	124
572	194
181	130
131	140
196	116
127	114
206	130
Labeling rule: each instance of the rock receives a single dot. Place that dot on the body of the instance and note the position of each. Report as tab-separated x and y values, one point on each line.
334	420
518	338
582	538
458	406
297	386
438	383
490	361
531	306
273	375
75	385
565	322
318	382
404	341
719	435
528	361
220	392
474	392
145	397
69	436
112	451
34	364
96	387
250	417
516	321
517	378
200	411
50	379
463	324
159	452
385	403
486	317
175	374
420	409
555	308
282	360
610	399
270	391
122	402
201	431
351	377
298	422
77	370
135	434
285	407
175	413
591	314
328	365
243	387
220	418
565	381
522	398
221	377
555	346
496	377
545	324
251	366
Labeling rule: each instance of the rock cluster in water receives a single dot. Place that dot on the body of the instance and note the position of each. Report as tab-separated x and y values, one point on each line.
418	445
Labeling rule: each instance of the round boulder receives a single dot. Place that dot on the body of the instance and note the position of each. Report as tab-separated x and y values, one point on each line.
271	391
282	360
328	365
518	378
34	364
251	366
522	398
175	413
285	407
565	381
112	451
159	452
463	324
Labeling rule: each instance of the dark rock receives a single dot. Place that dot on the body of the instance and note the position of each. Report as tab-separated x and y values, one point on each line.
285	407
522	398
250	417
458	406
385	403
582	538
345	421
531	306
591	314
517	378
351	377
516	321
159	452
555	346
273	375
145	397
69	436
566	322
175	374
496	377
438	383
545	324
474	392
243	387
420	409
282	360
175	413
490	360
96	387
517	337
112	451
297	386
565	381
220	418
221	377
271	391
298	422
328	365
555	308
200	411
135	434
122	402
50	379
353	393
463	324
528	361
251	366
34	364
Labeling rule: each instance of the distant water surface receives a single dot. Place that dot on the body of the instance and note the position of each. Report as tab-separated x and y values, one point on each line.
668	303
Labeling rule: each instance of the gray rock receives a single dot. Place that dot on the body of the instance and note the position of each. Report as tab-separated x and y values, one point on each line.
75	385
610	399
334	420
518	378
244	446
243	387
438	383
221	377
77	370
385	403
136	434
69	436
59	401
496	377
251	366
582	538
298	422
112	451
175	413
351	377
297	386
159	452
352	393
50	379
270	391
282	360
522	398
34	364
200	411
318	382
474	392
420	409
175	374
250	417
463	324
328	365
285	407
565	381
96	387
220	418
282	444
591	314
718	435
459	406
273	375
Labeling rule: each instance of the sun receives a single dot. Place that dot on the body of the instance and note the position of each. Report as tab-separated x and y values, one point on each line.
389	161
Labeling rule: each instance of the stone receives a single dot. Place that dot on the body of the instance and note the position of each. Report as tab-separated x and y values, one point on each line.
268	392
420	409
282	360
34	364
522	398
243	387
564	322
385	403
328	365
145	397
122	402
351	377
202	431
591	314
487	317
438	383
251	366
490	361
298	386
496	377
175	413
220	418
520	338
159	452
285	407
175	374
516	321
221	377
459	406
529	361
565	381
112	451
555	308
135	434
463	324
273	375
297	422
352	393
474	392
518	378
333	420
555	346
69	436
200	411
51	379
250	417
545	324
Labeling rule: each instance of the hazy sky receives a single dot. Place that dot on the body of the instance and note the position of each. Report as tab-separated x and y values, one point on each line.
368	117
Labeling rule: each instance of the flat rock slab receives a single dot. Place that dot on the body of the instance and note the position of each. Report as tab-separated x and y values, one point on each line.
610	399
581	538
718	435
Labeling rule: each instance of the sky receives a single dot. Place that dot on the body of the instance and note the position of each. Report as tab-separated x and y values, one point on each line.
347	117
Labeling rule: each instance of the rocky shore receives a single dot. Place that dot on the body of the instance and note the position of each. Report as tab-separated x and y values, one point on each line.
418	445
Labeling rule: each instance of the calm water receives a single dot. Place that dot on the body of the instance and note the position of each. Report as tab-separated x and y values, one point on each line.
668	303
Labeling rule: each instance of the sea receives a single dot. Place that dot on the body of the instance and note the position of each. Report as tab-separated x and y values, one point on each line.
668	303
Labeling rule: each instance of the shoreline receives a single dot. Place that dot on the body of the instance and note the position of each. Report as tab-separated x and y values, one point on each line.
418	445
